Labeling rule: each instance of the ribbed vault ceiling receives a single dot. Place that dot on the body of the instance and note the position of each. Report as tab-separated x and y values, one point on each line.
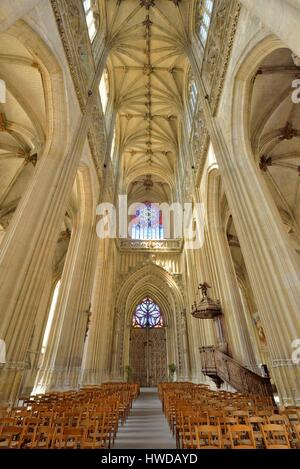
148	64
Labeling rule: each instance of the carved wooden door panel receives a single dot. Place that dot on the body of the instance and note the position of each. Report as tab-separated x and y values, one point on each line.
157	356
138	356
148	356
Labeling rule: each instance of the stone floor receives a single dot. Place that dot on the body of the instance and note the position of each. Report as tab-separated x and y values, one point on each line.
146	426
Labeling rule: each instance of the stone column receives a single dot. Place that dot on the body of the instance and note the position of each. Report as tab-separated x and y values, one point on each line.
197	268
239	339
98	347
200	332
62	365
185	347
34	352
116	345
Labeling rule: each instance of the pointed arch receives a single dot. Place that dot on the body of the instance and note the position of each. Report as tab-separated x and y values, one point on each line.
155	282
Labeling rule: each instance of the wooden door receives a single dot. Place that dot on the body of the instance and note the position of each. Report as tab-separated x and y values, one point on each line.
148	356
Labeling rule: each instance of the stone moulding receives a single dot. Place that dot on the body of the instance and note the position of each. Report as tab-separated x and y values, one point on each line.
64	25
199	142
283	362
169	245
15	365
218	49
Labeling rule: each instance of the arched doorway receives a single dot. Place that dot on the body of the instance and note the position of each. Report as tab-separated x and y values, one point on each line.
148	351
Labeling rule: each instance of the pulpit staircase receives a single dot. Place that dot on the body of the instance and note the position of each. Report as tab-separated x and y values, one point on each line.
220	367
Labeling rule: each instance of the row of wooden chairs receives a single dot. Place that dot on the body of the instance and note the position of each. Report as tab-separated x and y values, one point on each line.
85	419
289	434
95	435
188	407
239	437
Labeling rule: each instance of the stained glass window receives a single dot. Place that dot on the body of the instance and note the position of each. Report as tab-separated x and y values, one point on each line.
205	9
147	223
147	314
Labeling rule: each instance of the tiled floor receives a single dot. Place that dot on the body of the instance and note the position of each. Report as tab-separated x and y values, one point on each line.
146	426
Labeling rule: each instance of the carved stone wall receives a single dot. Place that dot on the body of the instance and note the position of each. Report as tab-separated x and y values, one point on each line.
199	141
218	48
150	245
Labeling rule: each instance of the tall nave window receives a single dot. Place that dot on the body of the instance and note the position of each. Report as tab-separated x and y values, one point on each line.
205	8
147	223
50	316
92	16
38	389
104	89
192	95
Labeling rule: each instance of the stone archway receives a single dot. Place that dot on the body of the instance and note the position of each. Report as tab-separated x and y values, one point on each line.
154	282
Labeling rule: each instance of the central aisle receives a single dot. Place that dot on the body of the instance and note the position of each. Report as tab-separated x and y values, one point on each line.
146	427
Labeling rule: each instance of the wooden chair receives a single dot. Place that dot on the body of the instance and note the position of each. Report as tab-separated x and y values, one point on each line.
107	423
94	437
11	437
113	423
213	416
32	422
264	413
241	416
182	426
241	437
293	415
68	438
60	422
278	419
7	421
275	436
296	435
28	436
189	437
42	437
223	422
208	437
46	417
256	422
228	410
